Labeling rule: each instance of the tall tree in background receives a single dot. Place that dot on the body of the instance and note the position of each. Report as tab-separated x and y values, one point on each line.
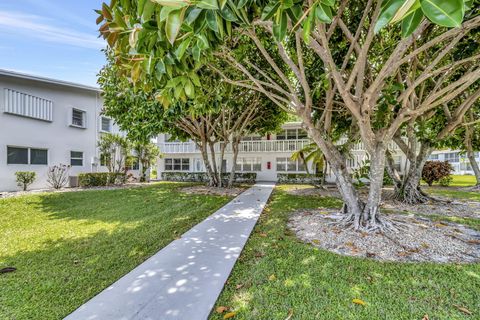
220	114
147	153
311	58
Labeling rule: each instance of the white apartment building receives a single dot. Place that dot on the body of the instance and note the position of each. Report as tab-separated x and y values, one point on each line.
266	156
45	122
270	155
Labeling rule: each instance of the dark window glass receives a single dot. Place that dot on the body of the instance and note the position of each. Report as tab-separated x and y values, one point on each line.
169	164
281	135
105	124
281	164
76	158
302	134
185	164
17	155
291	134
177	164
77	118
38	156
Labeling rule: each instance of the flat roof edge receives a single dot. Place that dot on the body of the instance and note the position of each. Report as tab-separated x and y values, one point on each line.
25	76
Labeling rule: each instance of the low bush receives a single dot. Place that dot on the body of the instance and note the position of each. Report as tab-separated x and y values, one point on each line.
292	178
243	177
435	171
445	181
25	178
58	176
99	179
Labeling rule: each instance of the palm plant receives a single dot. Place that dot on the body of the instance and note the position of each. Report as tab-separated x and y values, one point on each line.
311	153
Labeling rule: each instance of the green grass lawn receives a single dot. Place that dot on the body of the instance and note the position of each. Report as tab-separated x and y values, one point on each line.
460	181
277	275
67	247
463	181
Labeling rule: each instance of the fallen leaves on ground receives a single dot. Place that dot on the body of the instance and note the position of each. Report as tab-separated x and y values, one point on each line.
290	314
239	286
229	315
359	301
272	277
463	309
425	317
221	309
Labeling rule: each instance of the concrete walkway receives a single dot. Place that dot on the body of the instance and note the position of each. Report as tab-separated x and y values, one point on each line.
184	279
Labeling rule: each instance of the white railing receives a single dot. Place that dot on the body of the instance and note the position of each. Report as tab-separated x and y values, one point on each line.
359	146
258	146
244	147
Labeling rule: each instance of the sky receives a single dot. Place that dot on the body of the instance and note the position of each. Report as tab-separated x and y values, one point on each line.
51	38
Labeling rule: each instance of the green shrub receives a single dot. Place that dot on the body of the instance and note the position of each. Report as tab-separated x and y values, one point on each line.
445	181
98	179
243	177
293	178
387	180
434	171
25	178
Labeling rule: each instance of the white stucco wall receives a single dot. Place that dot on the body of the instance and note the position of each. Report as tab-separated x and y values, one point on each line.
56	136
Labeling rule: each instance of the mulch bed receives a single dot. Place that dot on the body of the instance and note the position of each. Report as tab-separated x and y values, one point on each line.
420	239
446	207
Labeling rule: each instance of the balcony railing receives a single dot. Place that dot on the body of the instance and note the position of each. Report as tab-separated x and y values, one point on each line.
244	147
257	146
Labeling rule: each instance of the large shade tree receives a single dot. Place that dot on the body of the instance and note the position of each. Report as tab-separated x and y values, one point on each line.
218	115
312	58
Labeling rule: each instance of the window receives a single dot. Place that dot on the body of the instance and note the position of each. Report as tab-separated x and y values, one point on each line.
249	164
292	134
133	164
288	165
38	156
78	118
21	155
17	155
452	157
26	105
177	164
104	159
106	124
433	157
76	158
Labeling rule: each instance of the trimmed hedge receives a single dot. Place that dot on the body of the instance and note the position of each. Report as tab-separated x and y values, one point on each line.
293	178
243	177
100	179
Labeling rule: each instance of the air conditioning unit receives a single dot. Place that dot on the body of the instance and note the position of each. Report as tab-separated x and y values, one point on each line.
73	181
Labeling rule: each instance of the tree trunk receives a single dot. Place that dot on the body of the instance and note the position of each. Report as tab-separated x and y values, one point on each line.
211	145
352	204
231	179
223	146
211	175
471	155
409	190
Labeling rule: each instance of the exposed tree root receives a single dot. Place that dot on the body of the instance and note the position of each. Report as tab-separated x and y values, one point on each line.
474	188
372	224
412	196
